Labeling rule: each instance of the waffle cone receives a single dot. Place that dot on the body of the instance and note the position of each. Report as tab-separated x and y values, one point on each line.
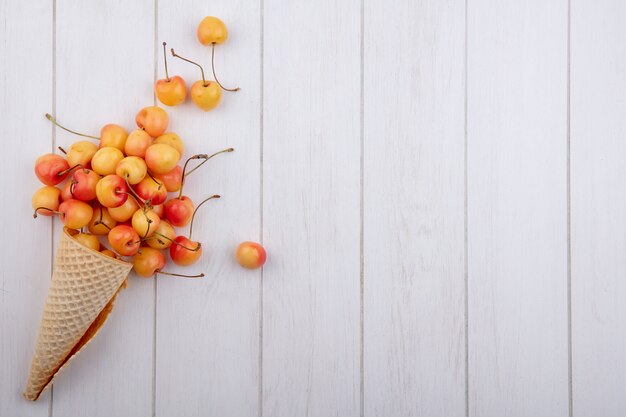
81	295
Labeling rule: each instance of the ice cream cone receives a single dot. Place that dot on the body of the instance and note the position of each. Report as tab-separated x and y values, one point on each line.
81	295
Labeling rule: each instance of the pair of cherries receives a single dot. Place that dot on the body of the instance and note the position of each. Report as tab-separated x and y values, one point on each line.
172	91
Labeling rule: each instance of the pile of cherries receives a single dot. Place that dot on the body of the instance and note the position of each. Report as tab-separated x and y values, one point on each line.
119	187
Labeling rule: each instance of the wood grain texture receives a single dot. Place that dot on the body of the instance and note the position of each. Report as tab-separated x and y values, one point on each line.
414	275
311	211
208	329
598	207
517	208
104	73
26	245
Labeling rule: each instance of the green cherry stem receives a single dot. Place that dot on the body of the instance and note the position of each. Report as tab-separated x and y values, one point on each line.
175	55
213	69
54	122
193	216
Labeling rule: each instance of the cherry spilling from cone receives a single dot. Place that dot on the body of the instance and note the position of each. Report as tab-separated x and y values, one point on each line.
118	187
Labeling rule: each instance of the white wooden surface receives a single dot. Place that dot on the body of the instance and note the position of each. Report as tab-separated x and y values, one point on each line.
439	185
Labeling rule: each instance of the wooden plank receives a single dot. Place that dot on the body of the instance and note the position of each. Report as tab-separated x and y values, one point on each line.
311	304
104	73
26	251
598	207
208	329
414	278
517	208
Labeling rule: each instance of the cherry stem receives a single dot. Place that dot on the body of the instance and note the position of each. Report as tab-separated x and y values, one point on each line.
137	200
135	195
200	156
182	178
175	55
62	150
72	185
213	69
53	120
65	171
196	210
180	275
179	244
211	156
44	208
155	180
167	77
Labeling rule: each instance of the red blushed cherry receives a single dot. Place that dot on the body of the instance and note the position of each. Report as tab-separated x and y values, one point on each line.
185	252
112	191
83	184
66	191
150	189
251	255
172	179
178	211
51	169
124	240
149	262
74	214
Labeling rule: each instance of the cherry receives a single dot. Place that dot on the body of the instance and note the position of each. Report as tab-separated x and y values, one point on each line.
205	94
212	31
124	240
112	191
153	120
106	159
125	211
132	168
90	241
170	91
185	251
171	139
51	169
83	184
101	221
75	214
110	135
137	143
149	262
150	189
145	222
179	211
251	255
48	197
81	152
161	158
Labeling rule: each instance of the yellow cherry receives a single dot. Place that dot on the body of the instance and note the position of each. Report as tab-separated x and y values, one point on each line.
132	168
91	241
171	139
170	91
106	159
212	30
81	152
206	95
